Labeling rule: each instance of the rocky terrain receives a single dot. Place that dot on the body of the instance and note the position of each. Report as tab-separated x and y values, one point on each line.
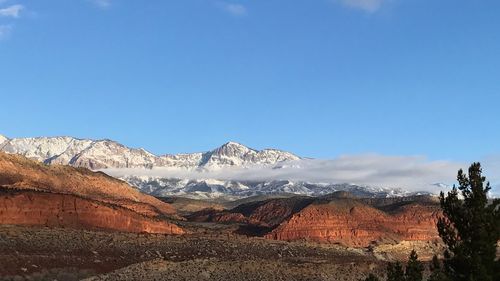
337	218
35	194
212	253
65	223
252	270
352	223
35	208
20	173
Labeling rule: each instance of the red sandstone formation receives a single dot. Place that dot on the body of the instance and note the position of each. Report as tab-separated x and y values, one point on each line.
63	210
334	219
417	222
20	173
35	194
221	216
268	213
352	223
274	211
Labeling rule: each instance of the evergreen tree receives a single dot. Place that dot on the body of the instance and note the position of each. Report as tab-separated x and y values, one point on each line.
437	273
371	277
470	229
395	272
414	268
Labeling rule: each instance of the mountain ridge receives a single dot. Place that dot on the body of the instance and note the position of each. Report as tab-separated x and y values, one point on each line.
106	153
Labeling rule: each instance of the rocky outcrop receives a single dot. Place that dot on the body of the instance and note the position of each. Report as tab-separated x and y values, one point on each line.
272	212
220	216
35	208
20	173
353	223
32	193
339	218
416	222
267	213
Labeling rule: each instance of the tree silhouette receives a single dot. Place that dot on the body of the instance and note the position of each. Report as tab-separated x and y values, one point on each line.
470	229
395	272
437	273
414	268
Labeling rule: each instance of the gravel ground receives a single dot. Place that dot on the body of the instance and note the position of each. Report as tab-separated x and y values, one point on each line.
218	270
34	253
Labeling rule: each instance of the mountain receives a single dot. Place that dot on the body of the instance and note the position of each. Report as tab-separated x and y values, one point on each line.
3	139
232	189
340	217
21	173
102	154
235	154
232	156
35	194
353	223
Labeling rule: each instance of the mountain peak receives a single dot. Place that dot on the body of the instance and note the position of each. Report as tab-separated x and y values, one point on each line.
233	144
105	153
232	148
237	154
3	139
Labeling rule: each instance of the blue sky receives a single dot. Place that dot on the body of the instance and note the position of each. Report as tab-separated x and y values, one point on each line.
320	78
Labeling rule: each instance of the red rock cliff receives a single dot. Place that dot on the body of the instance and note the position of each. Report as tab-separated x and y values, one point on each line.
21	173
355	224
64	210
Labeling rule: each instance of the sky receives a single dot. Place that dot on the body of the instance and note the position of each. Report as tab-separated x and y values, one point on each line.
319	78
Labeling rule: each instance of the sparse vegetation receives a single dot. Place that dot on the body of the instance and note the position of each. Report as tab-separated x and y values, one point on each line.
437	272
371	277
395	272
413	272
414	268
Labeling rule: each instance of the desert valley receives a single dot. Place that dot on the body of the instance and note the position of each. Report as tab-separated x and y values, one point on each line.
61	220
235	140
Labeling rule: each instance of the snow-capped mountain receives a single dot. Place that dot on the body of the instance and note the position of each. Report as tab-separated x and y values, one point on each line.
80	152
210	189
211	168
2	140
102	154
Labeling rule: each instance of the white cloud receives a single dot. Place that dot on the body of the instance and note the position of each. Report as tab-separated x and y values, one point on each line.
102	3
5	31
12	11
414	173
491	169
233	8
369	6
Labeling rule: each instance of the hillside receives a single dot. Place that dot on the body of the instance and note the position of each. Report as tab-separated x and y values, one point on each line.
36	194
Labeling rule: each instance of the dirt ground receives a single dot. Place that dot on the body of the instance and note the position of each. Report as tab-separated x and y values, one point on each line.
34	253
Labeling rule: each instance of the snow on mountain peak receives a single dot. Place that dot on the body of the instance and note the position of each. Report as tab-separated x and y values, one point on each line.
254	172
101	154
234	144
3	139
236	154
232	149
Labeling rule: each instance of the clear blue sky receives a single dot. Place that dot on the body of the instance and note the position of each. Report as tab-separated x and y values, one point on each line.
319	78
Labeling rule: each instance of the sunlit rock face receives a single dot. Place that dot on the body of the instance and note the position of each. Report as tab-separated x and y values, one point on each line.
32	193
62	210
352	223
